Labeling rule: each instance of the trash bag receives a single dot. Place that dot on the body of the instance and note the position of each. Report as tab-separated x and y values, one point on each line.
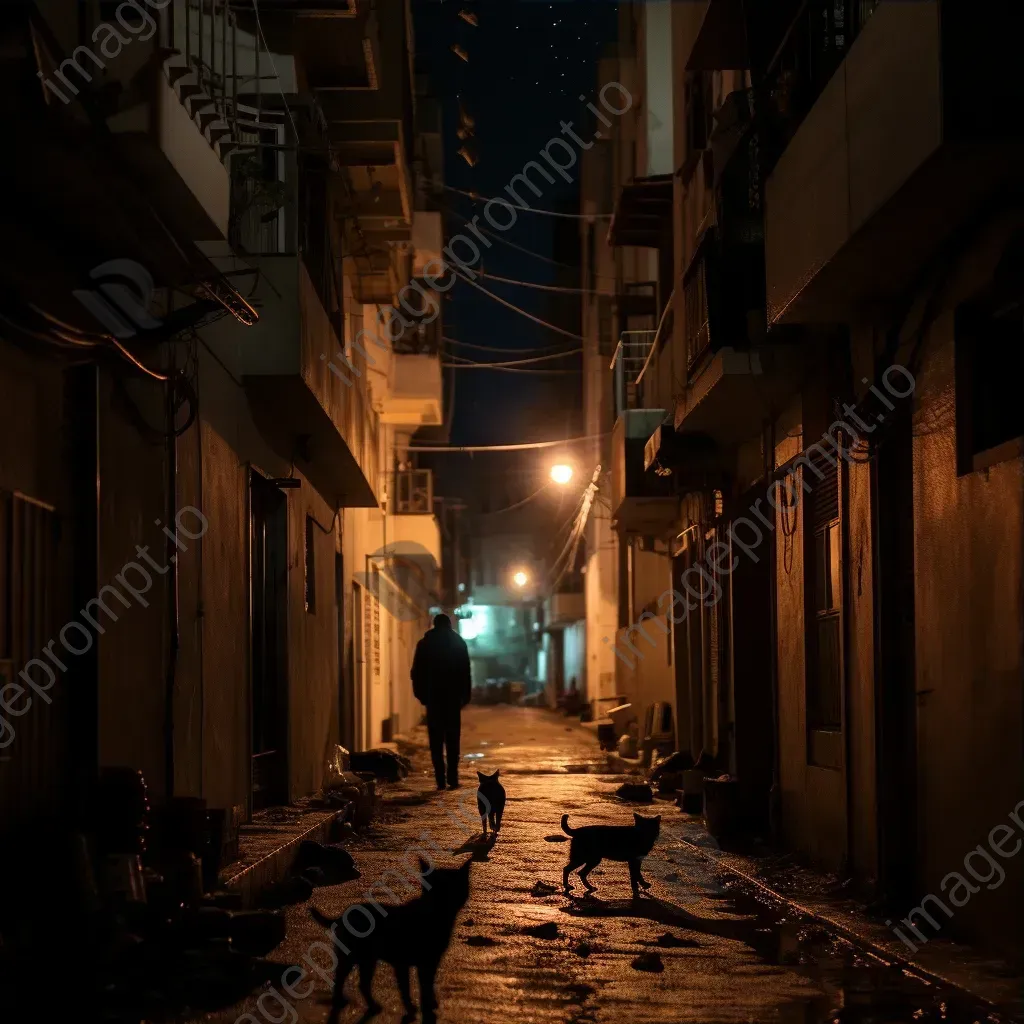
338	762
635	792
385	764
680	761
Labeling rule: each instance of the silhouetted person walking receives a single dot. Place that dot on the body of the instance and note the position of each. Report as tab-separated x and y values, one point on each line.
443	684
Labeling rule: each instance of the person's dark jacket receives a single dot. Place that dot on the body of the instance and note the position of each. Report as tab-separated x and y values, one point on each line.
441	675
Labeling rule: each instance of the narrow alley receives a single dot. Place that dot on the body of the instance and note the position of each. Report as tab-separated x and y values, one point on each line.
621	396
715	948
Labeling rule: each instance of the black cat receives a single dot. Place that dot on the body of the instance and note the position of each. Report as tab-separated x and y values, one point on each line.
593	843
415	934
490	800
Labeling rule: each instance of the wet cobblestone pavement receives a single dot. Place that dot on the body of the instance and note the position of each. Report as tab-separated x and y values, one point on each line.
701	947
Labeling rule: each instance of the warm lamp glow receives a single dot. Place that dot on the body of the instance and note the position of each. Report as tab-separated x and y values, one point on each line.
520	579
562	473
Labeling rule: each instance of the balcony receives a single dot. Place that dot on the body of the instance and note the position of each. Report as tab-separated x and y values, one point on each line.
412	524
334	41
413	383
643	213
427	240
899	149
309	404
371	131
641	502
734	373
561	610
413	492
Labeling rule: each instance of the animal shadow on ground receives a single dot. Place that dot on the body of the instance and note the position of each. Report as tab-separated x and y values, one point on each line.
651	908
479	846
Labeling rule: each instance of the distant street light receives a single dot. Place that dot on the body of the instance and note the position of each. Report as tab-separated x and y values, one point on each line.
561	473
520	579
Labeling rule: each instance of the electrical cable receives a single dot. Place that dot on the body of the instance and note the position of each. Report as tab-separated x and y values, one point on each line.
329	530
510	351
517	362
476	197
518	504
506	447
513	245
533	284
503	369
284	99
515	308
136	362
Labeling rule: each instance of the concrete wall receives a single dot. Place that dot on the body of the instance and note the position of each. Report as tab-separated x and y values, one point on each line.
133	651
601	588
813	798
658	96
574	651
651	676
968	612
34	461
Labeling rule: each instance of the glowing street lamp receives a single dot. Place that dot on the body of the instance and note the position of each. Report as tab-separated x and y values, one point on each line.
520	579
561	473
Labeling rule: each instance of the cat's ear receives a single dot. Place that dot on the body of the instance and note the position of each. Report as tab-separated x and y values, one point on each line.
481	776
497	772
638	818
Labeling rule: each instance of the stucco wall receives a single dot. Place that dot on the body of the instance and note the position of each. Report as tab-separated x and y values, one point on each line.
813	798
599	583
969	615
133	650
652	675
312	644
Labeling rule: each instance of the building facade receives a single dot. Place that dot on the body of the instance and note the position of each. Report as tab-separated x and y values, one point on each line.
818	481
221	333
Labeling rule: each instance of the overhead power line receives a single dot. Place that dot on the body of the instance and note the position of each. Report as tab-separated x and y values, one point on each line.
506	447
526	209
534	284
513	245
519	504
498	368
515	308
518	362
509	351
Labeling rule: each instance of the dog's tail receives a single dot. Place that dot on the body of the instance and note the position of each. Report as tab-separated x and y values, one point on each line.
322	919
565	826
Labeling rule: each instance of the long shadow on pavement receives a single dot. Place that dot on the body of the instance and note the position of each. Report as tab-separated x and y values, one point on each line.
650	908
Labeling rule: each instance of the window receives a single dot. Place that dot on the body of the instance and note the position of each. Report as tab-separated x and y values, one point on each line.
989	364
310	565
824	589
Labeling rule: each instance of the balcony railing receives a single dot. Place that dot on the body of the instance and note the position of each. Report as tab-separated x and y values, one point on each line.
280	207
414	492
234	71
421	310
811	50
695	311
627	365
723	295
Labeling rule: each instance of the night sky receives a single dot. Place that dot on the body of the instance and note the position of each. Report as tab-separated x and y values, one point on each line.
529	62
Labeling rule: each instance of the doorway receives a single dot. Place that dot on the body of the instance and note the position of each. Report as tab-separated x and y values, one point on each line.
269	642
346	669
895	674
